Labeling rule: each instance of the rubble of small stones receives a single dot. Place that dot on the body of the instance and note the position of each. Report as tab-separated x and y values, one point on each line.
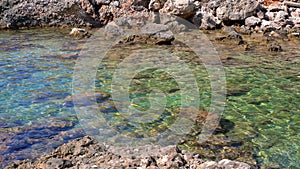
89	154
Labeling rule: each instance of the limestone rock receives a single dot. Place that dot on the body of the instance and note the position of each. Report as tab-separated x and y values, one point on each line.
237	10
181	8
252	21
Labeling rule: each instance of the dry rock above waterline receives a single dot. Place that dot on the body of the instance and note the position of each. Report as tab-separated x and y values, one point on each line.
254	15
89	154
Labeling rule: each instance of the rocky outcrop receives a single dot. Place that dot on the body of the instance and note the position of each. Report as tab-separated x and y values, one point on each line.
210	14
87	153
16	14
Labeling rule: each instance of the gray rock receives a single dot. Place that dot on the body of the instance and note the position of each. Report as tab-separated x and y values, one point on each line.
151	33
113	30
154	28
174	24
31	13
236	10
252	21
160	32
181	8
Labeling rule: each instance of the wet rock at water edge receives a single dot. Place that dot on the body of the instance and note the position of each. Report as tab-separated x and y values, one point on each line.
151	33
114	30
80	33
232	37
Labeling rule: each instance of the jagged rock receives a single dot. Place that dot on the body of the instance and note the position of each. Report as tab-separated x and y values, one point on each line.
18	14
237	10
181	8
252	21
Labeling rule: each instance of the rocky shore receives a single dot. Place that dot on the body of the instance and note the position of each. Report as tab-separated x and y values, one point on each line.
249	15
276	20
88	154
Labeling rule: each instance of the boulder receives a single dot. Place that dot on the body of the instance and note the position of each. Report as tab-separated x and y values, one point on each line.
114	30
181	8
237	10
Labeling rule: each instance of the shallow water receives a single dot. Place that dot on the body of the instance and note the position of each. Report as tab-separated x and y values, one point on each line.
262	100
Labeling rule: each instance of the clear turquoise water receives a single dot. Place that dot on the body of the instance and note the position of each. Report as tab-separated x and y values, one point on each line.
263	94
33	82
